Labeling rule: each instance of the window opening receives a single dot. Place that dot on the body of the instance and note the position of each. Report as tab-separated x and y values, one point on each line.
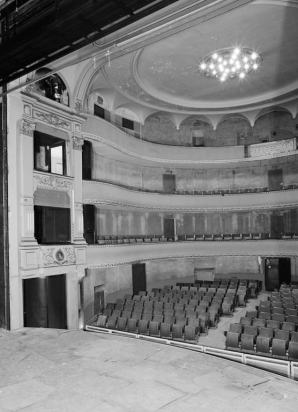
49	154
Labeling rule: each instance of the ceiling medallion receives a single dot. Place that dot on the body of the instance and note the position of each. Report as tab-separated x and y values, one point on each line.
230	63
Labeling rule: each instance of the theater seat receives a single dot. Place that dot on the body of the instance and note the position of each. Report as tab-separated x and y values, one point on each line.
232	341
190	334
154	329
143	327
177	332
132	325
111	322
165	331
279	348
293	351
101	321
263	346
247	343
122	324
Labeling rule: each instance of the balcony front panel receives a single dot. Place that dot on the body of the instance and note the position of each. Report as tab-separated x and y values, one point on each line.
107	194
102	256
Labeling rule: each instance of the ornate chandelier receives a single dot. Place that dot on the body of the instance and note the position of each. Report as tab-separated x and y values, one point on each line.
230	63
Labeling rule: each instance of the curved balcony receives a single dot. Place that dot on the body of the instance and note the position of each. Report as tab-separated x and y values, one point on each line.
120	145
108	194
104	256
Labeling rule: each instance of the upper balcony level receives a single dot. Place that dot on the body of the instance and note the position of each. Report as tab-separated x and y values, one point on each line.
116	144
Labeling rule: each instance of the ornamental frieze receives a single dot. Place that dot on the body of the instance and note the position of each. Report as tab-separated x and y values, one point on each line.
206	209
52	182
57	256
27	128
267	149
52	119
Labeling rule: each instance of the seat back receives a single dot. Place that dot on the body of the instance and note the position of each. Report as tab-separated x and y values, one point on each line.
266	332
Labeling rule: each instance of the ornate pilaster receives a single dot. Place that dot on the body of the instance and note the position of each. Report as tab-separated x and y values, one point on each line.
79	224
27	221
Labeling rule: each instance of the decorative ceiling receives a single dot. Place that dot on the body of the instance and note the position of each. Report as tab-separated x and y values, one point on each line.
164	75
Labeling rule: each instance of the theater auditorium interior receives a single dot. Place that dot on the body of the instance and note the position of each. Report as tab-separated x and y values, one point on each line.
149	208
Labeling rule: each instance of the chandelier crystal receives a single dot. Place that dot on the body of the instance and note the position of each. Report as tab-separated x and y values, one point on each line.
230	63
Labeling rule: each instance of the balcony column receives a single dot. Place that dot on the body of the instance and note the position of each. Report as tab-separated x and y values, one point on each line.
77	144
26	175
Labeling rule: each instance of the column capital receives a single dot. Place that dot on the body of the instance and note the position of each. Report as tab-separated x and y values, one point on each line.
77	142
27	127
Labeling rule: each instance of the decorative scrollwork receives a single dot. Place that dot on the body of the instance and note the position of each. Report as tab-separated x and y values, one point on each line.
57	256
52	119
52	182
78	106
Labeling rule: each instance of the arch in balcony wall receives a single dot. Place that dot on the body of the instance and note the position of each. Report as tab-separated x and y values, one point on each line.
100	98
130	111
233	129
161	127
275	123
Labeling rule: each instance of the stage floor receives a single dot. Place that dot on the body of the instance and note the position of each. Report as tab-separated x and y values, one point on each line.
75	371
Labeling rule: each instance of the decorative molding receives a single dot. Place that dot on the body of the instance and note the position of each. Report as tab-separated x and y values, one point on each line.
77	127
183	161
222	241
27	110
27	128
190	209
267	149
57	256
53	120
192	256
77	142
52	182
160	193
78	106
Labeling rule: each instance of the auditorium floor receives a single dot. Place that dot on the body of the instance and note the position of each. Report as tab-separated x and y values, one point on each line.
76	371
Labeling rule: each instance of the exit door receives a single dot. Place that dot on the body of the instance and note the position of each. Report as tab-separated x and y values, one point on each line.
275	179
169	228
276	226
45	302
277	271
138	278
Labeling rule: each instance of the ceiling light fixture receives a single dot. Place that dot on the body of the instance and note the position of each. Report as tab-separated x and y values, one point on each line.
230	63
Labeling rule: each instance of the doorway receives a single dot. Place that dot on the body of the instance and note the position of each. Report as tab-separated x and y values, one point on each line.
138	278
276	226
275	179
169	228
99	298
45	302
169	183
277	271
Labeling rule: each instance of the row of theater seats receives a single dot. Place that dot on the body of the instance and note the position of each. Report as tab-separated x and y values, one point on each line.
128	239
174	312
271	330
210	192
